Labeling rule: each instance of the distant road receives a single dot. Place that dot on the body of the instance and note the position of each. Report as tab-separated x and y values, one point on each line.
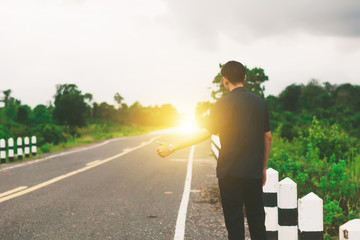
118	189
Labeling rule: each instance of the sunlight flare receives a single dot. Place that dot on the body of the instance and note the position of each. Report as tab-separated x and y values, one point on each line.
188	125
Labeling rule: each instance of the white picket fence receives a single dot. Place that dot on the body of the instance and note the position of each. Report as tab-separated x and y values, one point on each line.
290	218
22	148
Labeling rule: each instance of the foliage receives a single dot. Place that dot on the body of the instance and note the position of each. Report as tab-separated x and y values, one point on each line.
329	103
50	133
41	115
118	99
322	160
254	78
70	106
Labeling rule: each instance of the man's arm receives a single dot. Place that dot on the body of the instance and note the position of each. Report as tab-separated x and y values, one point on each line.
267	145
202	135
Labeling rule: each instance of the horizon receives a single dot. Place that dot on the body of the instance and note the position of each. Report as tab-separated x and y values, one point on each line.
186	114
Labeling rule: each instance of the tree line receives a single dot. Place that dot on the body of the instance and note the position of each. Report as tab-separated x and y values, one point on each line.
72	110
295	107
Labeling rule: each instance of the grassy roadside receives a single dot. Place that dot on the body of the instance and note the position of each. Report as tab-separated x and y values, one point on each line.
84	136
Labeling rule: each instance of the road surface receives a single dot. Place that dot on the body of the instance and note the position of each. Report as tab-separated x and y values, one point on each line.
117	189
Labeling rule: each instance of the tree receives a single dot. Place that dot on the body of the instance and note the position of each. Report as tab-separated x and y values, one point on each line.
70	106
136	113
22	114
254	78
314	96
220	90
6	96
11	105
348	95
106	111
118	99
41	115
88	97
290	97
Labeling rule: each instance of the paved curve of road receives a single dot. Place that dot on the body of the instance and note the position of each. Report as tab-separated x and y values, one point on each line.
118	189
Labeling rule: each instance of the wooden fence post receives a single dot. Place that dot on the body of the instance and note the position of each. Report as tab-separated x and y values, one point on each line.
19	148
350	230
270	190
27	147
288	213
3	150
11	149
311	224
33	145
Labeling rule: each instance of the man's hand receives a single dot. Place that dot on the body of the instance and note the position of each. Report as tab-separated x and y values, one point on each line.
201	135
163	149
264	177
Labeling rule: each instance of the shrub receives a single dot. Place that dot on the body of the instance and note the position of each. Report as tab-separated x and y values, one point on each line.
45	148
50	133
324	160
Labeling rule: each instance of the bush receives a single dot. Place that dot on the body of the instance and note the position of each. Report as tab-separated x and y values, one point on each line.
4	132
324	160
45	148
50	133
332	142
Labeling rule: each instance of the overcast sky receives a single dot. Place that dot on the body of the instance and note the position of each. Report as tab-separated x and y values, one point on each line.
168	51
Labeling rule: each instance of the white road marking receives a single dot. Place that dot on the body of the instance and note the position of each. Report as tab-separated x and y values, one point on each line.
12	191
93	162
181	219
197	160
126	149
195	191
179	159
56	179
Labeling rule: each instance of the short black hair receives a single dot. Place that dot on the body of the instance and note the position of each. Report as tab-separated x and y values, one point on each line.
234	72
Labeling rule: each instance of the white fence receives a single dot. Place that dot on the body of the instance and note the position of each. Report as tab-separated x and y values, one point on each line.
290	218
7	151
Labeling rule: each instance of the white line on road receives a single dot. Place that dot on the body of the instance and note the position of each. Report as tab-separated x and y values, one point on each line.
181	219
12	191
93	162
56	179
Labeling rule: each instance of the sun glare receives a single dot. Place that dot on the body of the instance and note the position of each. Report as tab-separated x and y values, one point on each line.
188	125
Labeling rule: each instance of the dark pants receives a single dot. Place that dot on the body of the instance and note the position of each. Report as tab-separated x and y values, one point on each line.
234	193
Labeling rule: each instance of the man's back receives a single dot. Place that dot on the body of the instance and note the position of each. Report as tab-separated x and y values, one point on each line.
241	118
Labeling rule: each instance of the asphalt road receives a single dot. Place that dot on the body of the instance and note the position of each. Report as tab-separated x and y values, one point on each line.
118	189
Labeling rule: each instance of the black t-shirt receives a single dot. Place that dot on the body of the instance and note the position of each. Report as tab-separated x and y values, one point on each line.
241	118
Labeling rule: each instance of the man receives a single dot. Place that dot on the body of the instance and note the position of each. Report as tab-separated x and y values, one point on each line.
242	121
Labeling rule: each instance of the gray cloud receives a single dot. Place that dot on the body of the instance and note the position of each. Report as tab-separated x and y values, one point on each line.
152	51
248	20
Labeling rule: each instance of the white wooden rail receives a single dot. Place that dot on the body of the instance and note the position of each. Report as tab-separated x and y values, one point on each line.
289	218
8	151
